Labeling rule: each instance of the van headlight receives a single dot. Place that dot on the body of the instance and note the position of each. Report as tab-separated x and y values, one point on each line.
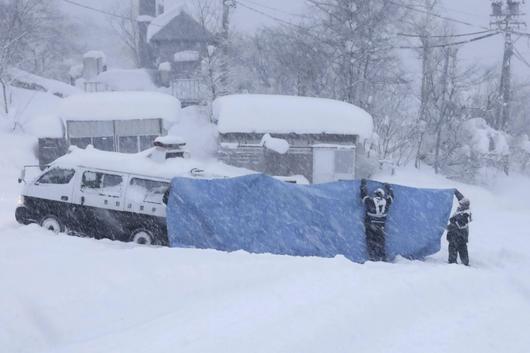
20	201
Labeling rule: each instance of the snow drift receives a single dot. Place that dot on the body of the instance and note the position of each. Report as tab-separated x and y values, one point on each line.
260	214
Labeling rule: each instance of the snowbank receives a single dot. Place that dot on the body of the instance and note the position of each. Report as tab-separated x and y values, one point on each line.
127	80
289	114
484	139
120	106
142	164
35	113
34	82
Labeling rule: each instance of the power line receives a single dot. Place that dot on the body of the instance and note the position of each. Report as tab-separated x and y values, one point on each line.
453	43
520	56
396	47
444	36
101	11
445	18
275	9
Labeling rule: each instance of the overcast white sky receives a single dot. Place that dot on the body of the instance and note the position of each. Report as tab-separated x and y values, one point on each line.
97	35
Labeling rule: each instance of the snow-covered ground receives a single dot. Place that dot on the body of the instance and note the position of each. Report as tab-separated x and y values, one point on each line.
67	294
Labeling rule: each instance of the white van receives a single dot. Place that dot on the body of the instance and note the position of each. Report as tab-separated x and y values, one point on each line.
96	202
109	194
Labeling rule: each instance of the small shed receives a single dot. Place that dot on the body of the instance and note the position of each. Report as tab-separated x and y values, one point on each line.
286	135
127	122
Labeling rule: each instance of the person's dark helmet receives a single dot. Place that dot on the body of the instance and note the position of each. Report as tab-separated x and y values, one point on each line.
379	193
464	204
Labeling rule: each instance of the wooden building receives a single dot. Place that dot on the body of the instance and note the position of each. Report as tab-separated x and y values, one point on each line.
174	42
286	136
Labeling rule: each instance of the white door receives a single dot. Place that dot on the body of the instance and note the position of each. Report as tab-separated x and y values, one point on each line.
101	189
333	163
56	184
345	163
323	164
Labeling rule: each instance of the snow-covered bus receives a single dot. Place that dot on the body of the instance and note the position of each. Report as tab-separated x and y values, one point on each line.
110	195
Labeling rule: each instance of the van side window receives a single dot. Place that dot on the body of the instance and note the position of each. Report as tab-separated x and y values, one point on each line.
145	190
101	183
57	176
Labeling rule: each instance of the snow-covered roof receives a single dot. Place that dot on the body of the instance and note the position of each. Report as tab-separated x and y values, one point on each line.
176	24
95	54
170	140
142	164
127	80
165	66
120	106
186	55
289	114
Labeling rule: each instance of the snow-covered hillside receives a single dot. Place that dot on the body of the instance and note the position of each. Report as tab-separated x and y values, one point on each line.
67	294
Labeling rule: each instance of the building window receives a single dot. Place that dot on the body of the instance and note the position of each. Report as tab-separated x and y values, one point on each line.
128	144
104	143
146	142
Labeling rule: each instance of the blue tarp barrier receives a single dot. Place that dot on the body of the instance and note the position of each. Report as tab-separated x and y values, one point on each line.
260	214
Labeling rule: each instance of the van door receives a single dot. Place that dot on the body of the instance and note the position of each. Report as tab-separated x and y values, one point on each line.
101	196
145	196
101	190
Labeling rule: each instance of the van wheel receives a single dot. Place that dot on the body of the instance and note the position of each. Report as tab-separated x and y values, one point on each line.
52	223
143	237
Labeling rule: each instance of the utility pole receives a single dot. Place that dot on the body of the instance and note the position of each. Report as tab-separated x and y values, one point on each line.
228	5
506	17
426	81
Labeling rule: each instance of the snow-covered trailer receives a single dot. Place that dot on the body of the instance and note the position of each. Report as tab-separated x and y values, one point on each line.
284	135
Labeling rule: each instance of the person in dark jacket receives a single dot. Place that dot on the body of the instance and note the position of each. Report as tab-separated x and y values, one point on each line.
376	207
458	231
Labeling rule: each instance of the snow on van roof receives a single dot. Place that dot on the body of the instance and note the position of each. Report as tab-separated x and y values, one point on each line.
142	165
120	106
249	113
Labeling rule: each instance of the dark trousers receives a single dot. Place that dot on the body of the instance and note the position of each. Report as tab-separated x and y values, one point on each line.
375	242
458	247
